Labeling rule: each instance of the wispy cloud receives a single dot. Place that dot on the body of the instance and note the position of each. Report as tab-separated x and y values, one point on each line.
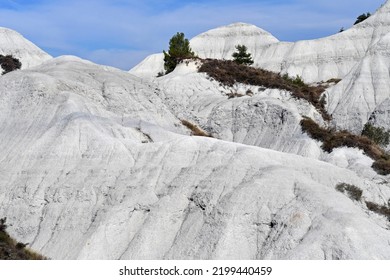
121	33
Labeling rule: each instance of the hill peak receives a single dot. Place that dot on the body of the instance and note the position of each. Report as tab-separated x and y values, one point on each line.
234	30
13	43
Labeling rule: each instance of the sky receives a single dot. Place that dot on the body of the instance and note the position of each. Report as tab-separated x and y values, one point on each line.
121	33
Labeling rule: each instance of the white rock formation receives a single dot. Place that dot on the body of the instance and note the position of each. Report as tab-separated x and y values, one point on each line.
12	43
150	67
220	43
364	92
93	167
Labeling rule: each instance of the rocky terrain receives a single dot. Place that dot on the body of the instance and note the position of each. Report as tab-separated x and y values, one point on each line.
98	163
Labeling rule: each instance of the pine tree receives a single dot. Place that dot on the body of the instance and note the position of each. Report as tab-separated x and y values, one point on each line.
179	49
241	56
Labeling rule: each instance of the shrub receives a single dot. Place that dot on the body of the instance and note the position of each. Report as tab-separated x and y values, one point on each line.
335	139
377	134
362	18
12	250
160	74
382	166
234	95
295	81
241	56
353	192
196	131
347	139
334	80
179	49
379	209
3	225
314	130
9	63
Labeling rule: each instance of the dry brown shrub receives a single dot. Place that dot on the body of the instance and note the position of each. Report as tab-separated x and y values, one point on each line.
196	131
334	139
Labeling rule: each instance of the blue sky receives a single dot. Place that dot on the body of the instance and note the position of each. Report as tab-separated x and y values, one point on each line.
121	33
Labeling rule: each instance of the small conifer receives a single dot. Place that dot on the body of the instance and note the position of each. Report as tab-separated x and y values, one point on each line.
241	56
179	49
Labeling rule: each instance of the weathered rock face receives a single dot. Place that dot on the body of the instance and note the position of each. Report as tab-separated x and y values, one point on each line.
12	43
267	118
93	166
364	92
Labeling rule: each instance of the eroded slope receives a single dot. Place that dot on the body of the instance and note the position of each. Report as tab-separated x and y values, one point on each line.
93	167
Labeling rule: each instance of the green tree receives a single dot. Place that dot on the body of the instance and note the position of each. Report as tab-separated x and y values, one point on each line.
179	49
361	18
241	56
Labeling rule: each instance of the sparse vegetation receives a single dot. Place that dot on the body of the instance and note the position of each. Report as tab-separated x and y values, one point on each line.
352	191
241	56
179	49
362	18
297	81
9	63
3	225
379	209
12	250
160	74
333	80
235	95
346	139
228	73
333	139
196	131
382	166
355	193
377	134
314	130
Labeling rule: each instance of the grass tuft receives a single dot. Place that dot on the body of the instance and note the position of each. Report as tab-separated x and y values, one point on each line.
353	192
